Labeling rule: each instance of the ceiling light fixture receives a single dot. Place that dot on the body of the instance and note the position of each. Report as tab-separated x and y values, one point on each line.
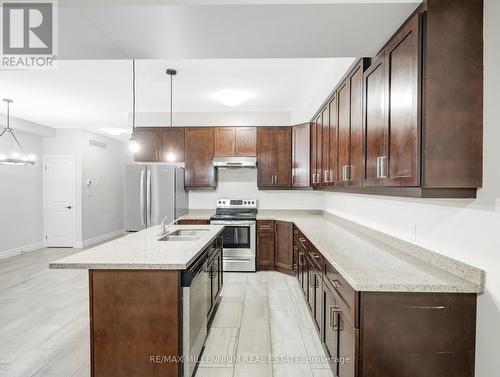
15	157
232	97
133	145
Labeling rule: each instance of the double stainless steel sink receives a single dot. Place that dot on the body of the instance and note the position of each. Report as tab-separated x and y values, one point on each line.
183	235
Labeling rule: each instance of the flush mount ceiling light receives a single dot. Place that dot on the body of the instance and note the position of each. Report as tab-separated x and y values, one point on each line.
16	157
114	131
232	97
133	145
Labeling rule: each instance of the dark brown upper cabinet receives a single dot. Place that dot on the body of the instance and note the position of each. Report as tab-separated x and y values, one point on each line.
316	151
301	134
225	141
199	149
246	141
172	144
283	246
235	141
149	140
333	144
274	157
325	146
410	124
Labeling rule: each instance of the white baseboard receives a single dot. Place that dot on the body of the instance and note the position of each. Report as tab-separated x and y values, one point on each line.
21	250
102	238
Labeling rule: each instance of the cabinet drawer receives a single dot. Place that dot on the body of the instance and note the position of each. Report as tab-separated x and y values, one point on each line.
265	226
316	257
344	290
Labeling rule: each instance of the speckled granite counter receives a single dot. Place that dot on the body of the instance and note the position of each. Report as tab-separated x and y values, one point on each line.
142	250
373	261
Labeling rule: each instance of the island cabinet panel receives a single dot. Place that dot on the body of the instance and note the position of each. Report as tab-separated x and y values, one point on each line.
135	316
246	142
301	155
200	172
172	144
283	246
265	245
149	140
225	141
274	157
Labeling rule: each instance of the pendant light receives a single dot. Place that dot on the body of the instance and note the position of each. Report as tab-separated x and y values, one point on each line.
18	157
133	145
171	157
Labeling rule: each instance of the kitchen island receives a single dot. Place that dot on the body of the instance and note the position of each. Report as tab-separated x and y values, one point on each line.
151	299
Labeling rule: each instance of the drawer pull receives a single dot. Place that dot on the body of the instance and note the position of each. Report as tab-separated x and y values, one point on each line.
334	318
336	283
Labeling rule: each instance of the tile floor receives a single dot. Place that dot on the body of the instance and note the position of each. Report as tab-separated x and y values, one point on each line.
262	327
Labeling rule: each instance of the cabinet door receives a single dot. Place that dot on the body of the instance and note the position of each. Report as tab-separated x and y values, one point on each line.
149	141
265	251
403	65
245	141
225	141
375	118
265	176
330	326
348	339
318	301
283	245
356	148
325	146
343	98
333	143
295	259
199	156
282	157
301	155
172	144
314	151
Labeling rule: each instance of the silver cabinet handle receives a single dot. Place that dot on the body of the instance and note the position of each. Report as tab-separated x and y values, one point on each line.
334	318
330	175
345	173
383	169
325	175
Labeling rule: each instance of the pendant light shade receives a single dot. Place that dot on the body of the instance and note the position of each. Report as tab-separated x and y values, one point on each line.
17	156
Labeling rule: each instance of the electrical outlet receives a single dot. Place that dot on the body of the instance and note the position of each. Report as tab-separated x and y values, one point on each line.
412	231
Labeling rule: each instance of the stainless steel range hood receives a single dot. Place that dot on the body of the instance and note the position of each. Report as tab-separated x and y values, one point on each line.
235	162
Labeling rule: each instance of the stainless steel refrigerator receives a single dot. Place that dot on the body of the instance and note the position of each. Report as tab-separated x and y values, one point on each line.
153	192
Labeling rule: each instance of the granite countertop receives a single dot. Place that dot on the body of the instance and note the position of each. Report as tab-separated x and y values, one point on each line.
373	261
142	250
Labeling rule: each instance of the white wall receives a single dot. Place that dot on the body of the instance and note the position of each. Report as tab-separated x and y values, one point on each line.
21	201
102	201
467	230
242	183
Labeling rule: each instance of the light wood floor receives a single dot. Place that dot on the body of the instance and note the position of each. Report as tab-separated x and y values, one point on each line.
44	324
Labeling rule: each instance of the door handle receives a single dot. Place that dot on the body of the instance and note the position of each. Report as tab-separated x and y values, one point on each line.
148	193
345	172
69	207
381	173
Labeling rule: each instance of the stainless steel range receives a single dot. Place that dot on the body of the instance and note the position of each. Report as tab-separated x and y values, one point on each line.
239	218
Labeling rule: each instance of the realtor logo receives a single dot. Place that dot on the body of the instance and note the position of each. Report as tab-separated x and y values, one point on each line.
28	34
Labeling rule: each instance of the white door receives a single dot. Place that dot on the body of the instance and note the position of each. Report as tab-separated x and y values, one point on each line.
59	188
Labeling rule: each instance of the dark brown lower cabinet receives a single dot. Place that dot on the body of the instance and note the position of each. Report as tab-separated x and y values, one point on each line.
386	334
265	245
193	222
283	246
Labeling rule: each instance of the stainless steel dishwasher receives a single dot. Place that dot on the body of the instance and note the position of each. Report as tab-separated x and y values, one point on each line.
195	288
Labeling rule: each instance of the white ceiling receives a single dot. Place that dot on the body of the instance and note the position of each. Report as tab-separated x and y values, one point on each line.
252	29
96	94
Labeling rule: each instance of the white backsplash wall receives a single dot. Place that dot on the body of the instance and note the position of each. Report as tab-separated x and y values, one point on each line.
242	183
467	230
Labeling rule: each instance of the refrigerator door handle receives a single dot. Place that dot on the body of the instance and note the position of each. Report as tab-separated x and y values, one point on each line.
148	199
141	196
